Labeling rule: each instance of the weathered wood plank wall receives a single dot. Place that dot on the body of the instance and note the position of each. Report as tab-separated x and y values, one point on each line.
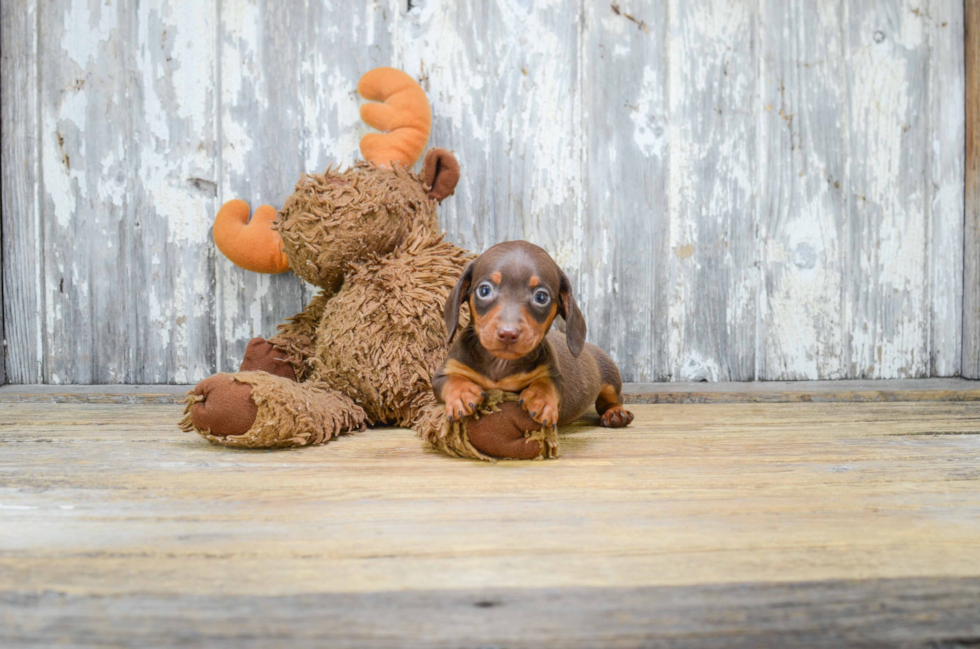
740	190
18	192
971	251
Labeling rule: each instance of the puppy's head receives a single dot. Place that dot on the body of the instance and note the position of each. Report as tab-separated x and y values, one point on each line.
515	290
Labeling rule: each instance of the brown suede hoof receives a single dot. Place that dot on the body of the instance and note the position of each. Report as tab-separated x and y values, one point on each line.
501	434
263	356
227	408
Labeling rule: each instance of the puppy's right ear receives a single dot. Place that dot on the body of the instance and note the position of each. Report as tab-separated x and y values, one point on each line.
574	321
461	292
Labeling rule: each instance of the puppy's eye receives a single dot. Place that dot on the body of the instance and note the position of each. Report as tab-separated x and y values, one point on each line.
542	298
484	291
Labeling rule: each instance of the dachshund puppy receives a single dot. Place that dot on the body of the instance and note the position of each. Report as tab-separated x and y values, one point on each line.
515	290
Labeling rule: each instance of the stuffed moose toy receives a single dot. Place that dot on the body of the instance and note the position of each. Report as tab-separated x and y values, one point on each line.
364	350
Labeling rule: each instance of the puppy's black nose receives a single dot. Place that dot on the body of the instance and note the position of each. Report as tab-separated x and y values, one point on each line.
508	335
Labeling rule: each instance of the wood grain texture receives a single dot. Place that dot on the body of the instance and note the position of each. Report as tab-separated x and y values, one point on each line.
866	281
739	190
832	614
945	124
971	242
3	340
713	144
886	312
503	80
109	512
20	240
127	148
119	394
626	246
839	391
803	190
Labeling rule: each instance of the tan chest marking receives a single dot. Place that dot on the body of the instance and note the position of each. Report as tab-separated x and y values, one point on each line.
512	383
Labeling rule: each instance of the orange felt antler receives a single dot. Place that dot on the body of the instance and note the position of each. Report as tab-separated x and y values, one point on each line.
251	245
404	116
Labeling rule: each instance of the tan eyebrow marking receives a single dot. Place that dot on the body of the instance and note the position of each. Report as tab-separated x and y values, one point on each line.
534	281
496	277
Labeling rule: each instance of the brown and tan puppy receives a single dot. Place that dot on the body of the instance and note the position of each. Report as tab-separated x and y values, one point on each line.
515	290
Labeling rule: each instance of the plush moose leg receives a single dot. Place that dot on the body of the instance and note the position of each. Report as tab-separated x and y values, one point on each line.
260	410
294	342
499	430
263	356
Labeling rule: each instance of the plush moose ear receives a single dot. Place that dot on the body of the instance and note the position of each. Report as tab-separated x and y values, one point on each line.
252	245
441	173
574	321
455	300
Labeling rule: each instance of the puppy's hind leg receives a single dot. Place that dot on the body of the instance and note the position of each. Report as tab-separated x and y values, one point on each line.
609	403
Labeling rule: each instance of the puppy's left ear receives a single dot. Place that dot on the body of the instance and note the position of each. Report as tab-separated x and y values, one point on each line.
574	321
441	173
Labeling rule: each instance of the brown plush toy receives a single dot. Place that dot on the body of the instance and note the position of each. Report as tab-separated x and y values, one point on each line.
364	350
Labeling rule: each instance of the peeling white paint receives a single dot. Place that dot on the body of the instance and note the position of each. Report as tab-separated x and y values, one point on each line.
91	33
648	135
887	325
62	183
696	367
711	301
432	37
192	31
811	184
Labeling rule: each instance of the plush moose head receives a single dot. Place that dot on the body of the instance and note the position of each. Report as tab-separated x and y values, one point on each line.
341	216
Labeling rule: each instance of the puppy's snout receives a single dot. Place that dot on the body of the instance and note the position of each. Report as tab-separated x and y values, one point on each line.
508	335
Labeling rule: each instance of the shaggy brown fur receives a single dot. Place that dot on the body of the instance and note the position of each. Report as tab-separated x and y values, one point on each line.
366	347
335	218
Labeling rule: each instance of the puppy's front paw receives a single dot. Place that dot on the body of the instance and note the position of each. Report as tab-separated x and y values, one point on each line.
616	417
462	397
540	399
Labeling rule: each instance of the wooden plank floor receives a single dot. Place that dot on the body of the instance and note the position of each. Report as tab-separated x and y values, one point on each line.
747	524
